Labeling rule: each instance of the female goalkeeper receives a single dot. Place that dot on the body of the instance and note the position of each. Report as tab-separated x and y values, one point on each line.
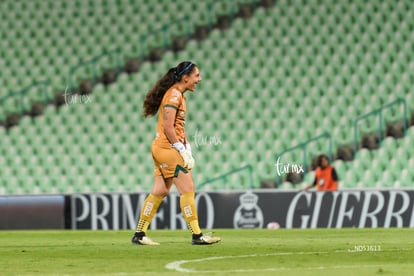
171	151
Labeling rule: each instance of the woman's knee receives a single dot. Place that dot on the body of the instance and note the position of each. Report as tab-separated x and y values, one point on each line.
184	183
161	187
160	192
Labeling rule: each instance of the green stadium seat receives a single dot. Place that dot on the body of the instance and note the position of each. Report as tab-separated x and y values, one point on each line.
343	75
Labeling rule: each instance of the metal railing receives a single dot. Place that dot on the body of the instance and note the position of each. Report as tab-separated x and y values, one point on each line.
93	64
304	148
378	112
21	95
224	178
164	34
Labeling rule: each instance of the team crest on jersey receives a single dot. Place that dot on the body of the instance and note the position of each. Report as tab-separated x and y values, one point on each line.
176	93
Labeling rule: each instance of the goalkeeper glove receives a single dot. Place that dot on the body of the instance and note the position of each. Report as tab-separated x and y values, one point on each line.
192	161
185	152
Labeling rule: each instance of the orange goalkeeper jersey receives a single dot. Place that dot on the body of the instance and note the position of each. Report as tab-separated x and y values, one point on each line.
175	99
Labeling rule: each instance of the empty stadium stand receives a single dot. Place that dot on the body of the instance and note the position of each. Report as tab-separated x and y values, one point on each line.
288	73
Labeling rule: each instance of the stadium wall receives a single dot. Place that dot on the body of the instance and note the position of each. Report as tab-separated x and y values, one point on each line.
32	212
242	209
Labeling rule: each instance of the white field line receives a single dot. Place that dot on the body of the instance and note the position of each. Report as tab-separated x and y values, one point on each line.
176	265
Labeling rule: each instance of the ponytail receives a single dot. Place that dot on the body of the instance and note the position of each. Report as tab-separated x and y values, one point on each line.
154	96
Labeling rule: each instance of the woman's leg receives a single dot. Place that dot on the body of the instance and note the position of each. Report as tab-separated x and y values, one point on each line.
152	202
185	186
149	208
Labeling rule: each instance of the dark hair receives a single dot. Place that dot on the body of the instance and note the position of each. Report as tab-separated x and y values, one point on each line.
154	96
320	157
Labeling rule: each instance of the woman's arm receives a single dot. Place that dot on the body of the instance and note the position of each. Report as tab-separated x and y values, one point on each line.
169	119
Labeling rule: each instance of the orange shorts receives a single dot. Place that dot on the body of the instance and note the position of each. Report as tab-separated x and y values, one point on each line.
167	161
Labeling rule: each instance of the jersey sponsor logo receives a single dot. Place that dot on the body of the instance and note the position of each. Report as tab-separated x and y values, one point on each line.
148	209
187	211
321	182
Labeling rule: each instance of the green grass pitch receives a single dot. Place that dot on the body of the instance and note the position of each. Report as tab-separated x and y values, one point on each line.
241	252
